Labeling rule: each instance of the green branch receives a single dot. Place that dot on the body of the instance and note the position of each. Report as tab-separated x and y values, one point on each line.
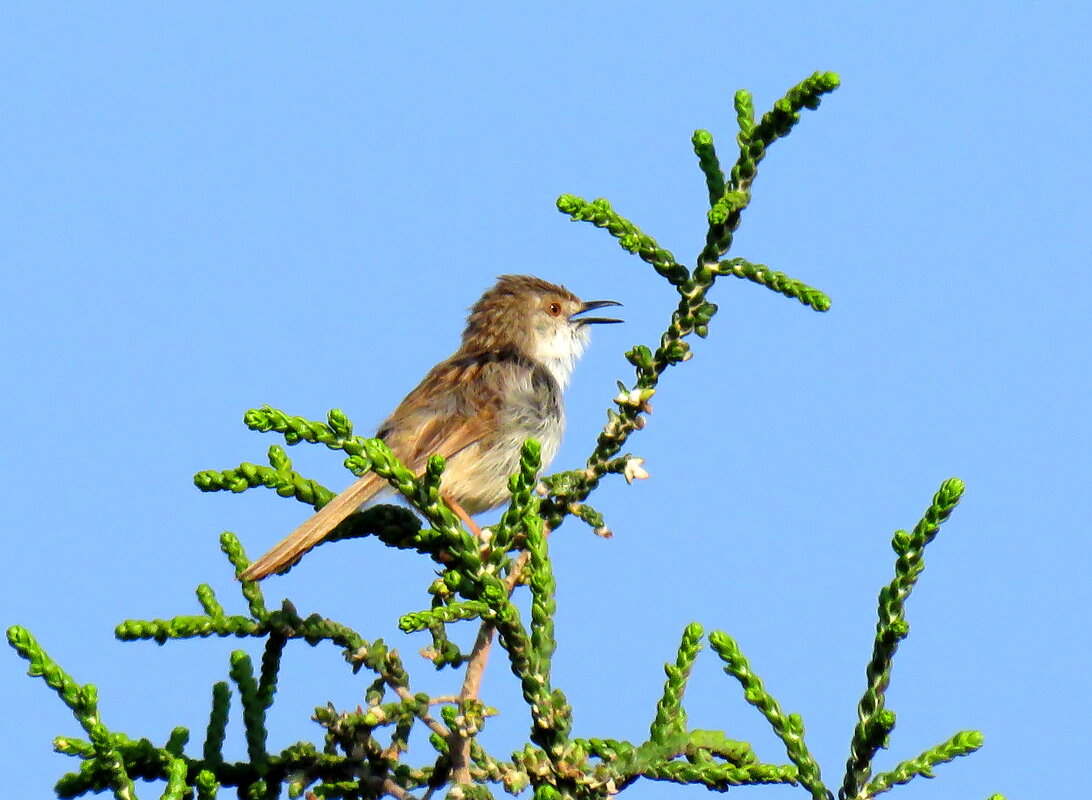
753	139
242	672
631	238
216	733
83	702
670	717
962	744
777	281
874	721
790	729
719	777
420	620
279	476
727	199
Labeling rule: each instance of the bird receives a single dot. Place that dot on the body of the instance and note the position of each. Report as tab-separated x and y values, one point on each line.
502	386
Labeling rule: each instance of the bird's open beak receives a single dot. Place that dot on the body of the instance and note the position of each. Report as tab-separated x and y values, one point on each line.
591	305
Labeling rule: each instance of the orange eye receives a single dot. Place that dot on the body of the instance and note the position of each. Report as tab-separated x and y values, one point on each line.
555	309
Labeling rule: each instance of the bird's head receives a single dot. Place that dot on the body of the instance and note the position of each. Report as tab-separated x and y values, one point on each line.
539	319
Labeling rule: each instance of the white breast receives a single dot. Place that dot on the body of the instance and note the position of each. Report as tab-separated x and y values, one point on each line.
559	350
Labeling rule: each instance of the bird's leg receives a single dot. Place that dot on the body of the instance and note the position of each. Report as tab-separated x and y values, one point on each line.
460	512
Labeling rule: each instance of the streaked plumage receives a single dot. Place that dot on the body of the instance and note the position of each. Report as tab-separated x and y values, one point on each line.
502	386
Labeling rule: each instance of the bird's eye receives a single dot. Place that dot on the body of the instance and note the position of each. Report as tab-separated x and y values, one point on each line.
554	309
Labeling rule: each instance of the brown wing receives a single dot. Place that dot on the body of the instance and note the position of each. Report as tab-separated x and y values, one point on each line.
455	405
452	408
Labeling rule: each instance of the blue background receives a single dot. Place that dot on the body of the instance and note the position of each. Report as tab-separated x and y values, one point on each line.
210	208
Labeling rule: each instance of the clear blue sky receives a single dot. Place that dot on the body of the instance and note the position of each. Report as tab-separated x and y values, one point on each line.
208	208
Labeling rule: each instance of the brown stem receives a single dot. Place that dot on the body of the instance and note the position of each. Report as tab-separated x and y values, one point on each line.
459	745
434	724
394	790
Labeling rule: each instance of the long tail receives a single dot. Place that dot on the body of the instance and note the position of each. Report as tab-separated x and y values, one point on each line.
311	532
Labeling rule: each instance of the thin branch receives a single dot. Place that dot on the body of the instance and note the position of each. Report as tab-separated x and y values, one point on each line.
394	790
434	724
472	679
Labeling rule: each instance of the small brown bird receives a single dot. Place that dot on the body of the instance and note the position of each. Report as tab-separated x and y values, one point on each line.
501	387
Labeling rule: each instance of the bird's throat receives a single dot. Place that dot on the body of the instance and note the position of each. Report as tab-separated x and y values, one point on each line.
558	353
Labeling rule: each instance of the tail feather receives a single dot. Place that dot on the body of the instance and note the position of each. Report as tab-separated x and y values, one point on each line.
313	530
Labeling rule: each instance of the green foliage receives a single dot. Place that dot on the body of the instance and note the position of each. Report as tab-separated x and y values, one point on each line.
106	764
670	717
874	724
362	750
790	729
962	744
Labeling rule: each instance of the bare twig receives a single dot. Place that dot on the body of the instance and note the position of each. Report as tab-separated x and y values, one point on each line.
394	790
472	680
